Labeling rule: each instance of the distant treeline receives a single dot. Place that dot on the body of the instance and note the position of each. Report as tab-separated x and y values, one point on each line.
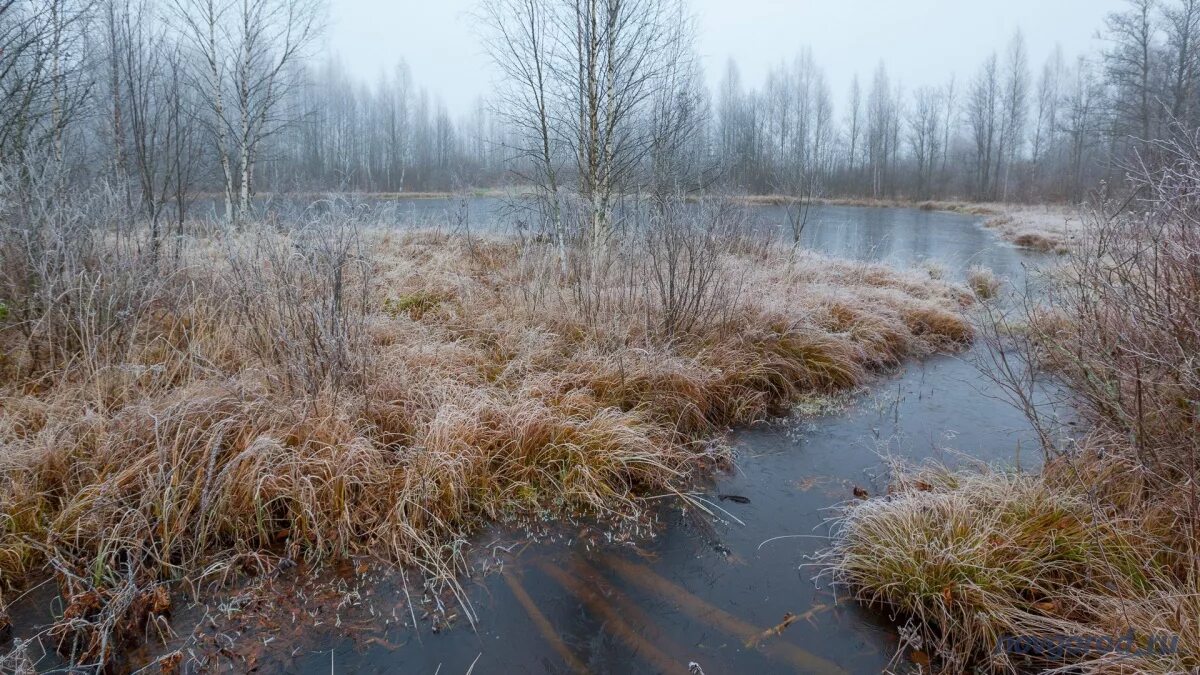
168	98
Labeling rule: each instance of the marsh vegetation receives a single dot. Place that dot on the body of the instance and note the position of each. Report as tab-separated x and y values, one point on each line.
223	358
262	395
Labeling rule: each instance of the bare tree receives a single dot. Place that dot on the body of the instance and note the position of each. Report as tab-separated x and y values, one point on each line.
1016	94
983	116
735	130
1046	120
522	47
154	149
883	130
924	137
613	55
949	125
43	87
1080	122
585	78
1129	65
678	119
854	122
1181	23
246	50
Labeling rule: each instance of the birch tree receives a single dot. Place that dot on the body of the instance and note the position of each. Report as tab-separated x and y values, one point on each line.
1130	63
522	47
245	52
924	136
983	116
613	56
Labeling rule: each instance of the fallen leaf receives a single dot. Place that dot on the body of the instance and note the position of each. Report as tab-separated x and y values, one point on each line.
160	600
169	664
807	484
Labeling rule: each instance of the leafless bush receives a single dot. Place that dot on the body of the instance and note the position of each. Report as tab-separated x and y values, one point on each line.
670	270
73	280
1125	329
301	299
689	282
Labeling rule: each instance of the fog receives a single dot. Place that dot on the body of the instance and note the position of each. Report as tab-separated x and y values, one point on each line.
921	41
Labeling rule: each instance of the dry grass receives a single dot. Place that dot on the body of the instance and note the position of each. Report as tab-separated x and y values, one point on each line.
983	282
968	559
1106	540
1043	228
334	389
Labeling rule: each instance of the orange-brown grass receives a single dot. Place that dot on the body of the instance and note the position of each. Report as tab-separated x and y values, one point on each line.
974	560
983	282
454	380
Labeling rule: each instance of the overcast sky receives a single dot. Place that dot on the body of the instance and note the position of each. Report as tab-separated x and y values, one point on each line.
921	41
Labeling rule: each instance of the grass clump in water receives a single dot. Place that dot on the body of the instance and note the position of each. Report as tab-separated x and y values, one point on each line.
983	282
971	559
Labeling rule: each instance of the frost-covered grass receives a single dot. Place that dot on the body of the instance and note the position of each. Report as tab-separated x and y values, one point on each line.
983	282
971	558
270	394
1046	228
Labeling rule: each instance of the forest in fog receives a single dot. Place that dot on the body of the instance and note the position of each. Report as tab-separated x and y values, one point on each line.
171	98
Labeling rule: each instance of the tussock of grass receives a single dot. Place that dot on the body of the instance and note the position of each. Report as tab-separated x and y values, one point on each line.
1044	228
1037	241
983	282
387	392
973	558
